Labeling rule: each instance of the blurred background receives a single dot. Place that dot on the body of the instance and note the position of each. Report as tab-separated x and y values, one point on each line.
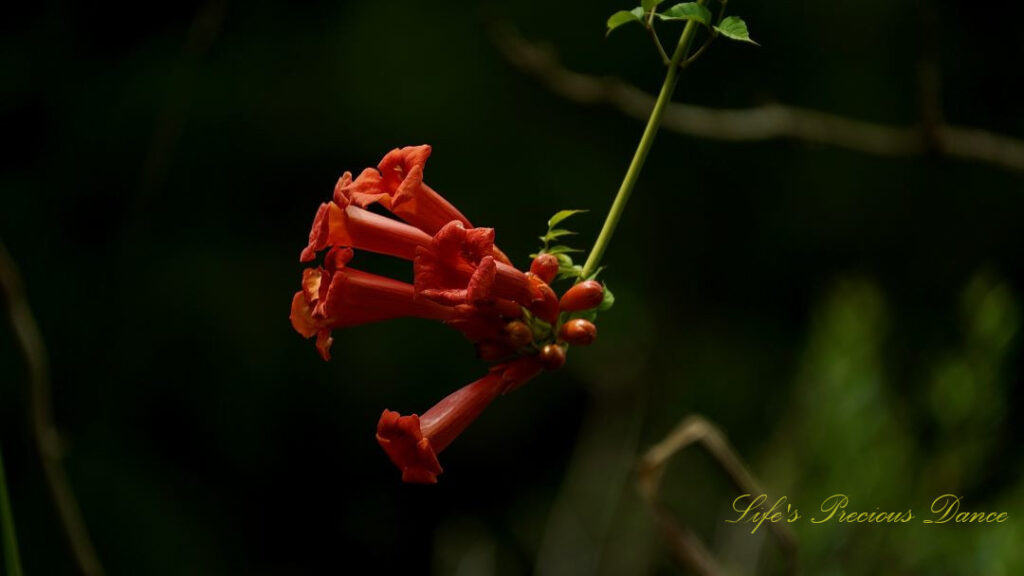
851	321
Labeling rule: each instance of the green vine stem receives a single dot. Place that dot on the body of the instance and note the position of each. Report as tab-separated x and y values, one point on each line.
640	156
12	563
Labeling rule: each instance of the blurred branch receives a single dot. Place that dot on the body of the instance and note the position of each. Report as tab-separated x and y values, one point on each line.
30	342
12	562
767	122
685	544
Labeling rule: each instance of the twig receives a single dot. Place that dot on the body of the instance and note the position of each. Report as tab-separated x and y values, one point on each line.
26	333
686	545
767	122
12	562
657	41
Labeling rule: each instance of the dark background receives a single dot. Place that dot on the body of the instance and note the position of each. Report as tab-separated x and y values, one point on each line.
852	322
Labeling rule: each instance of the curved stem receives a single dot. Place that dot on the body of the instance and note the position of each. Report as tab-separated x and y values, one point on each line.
633	173
12	563
30	341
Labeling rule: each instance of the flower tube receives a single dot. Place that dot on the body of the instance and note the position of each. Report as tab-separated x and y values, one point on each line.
413	442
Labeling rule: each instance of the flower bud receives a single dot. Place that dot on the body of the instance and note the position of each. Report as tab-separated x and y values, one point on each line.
508	309
578	332
518	334
545	266
583	296
545	301
552	357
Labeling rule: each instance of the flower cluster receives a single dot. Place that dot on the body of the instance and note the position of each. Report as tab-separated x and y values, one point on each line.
460	278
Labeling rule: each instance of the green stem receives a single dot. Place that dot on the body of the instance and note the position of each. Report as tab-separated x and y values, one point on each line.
10	541
633	173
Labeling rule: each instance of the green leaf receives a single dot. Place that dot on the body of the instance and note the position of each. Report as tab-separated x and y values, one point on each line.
556	234
560	250
609	300
649	5
618	19
564	260
735	28
687	11
562	215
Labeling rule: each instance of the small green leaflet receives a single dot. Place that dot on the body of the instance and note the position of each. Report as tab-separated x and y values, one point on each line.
594	274
556	250
562	215
609	299
649	5
556	233
688	11
553	234
624	17
561	250
735	28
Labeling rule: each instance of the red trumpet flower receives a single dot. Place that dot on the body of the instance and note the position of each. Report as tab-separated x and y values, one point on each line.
413	442
460	279
342	297
339	223
458	267
398	186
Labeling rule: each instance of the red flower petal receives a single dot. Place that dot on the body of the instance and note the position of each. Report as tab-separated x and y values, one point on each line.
458	267
403	442
302	316
367	189
317	235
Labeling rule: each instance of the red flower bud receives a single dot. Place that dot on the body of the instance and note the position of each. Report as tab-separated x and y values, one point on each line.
552	357
545	266
578	332
583	296
545	301
518	334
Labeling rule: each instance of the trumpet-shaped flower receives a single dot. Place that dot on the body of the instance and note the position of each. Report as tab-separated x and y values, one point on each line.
397	185
413	442
458	266
460	279
345	297
340	223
